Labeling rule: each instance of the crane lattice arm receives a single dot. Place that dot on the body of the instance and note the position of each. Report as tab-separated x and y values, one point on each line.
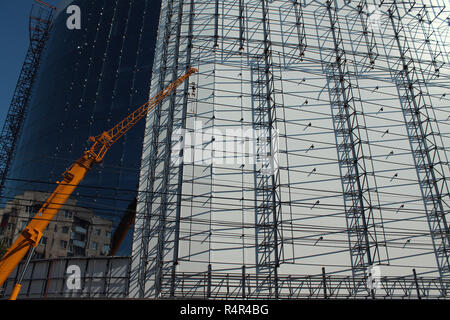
72	177
104	141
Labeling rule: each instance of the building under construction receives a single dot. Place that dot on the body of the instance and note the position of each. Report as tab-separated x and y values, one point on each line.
307	158
312	144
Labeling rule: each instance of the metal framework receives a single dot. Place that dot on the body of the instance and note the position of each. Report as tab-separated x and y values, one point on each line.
39	28
359	179
246	286
349	144
363	36
108	278
423	132
267	180
160	205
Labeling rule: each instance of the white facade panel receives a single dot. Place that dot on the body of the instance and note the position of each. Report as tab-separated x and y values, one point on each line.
290	71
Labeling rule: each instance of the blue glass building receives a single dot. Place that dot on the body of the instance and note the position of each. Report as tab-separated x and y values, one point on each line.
89	80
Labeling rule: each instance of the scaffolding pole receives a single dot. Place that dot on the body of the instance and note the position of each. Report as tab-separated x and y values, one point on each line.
355	183
425	143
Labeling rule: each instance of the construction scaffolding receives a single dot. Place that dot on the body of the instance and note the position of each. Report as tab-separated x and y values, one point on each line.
423	131
108	278
39	27
315	136
350	146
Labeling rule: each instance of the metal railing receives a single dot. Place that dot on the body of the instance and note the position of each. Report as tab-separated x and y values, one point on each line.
109	278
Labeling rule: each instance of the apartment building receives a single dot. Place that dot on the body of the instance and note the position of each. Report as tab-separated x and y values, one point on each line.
74	231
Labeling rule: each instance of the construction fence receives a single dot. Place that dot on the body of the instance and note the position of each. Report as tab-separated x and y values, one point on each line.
109	278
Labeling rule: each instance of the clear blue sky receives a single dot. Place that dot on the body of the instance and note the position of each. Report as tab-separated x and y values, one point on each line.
14	38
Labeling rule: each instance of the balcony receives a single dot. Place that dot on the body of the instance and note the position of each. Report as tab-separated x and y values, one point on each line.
78	243
79	229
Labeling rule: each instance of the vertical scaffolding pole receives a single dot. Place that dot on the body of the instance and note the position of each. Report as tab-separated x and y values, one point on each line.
151	231
301	33
424	145
216	24
354	177
267	199
369	36
168	189
181	166
241	25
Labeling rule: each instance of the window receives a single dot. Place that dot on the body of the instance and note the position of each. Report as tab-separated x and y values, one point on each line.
23	224
56	228
36	207
63	244
98	232
44	240
94	245
65	229
105	249
4	221
67	214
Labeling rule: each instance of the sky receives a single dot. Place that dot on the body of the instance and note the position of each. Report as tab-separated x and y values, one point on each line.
14	34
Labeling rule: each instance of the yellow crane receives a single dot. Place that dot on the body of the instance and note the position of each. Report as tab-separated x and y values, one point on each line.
31	235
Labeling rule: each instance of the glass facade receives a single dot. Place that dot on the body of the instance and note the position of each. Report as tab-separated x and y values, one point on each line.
89	80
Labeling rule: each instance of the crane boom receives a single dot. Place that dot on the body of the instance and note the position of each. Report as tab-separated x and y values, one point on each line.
31	235
104	141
